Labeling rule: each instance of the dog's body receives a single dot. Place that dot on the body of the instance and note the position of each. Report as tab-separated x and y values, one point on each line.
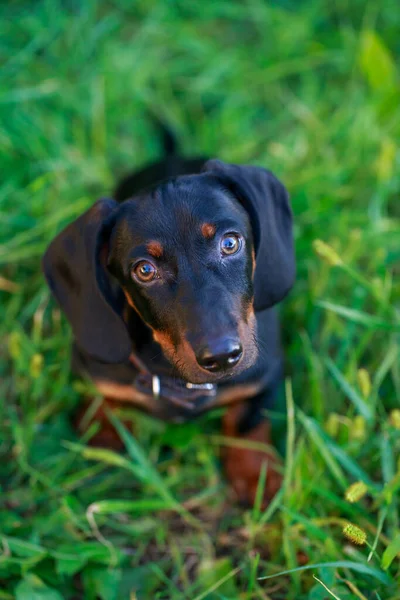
170	291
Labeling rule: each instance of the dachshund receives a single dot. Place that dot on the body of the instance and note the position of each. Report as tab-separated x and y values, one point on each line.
170	289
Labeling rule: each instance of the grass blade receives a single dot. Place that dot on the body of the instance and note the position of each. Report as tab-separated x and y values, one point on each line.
357	316
314	433
340	564
359	403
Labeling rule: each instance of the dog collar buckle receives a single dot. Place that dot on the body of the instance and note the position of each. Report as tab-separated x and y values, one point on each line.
209	389
156	386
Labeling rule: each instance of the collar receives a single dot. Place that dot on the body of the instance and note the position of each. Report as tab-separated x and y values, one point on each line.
188	396
182	394
172	399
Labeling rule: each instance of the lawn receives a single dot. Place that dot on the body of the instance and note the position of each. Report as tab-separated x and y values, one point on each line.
309	89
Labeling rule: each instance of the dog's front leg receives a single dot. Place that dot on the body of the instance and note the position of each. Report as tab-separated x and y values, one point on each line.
246	452
91	411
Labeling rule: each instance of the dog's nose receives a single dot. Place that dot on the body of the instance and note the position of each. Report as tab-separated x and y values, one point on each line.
220	356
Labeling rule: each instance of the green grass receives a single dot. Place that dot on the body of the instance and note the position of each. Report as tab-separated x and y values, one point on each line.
309	89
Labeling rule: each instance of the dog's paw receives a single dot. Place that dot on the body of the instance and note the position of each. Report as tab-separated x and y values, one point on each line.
243	467
104	435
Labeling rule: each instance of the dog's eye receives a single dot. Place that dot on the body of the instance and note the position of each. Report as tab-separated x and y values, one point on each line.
230	244
144	271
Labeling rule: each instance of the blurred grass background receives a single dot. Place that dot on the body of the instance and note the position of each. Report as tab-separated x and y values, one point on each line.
309	89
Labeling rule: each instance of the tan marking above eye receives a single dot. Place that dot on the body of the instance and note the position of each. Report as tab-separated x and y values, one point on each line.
208	230
155	249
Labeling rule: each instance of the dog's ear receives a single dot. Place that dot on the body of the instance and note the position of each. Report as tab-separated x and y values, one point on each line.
266	201
75	268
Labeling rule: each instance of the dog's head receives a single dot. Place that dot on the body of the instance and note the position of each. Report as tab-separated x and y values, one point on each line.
194	257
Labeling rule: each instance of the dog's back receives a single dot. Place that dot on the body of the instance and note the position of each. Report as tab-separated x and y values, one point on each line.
171	165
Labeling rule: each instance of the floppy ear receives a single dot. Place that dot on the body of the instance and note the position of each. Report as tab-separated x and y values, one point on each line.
74	266
266	201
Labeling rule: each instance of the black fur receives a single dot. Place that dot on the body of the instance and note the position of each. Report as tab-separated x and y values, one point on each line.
200	297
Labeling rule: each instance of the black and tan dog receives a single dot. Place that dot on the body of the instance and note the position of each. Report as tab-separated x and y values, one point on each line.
169	290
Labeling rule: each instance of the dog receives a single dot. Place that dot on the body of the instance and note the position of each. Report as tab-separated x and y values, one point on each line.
170	289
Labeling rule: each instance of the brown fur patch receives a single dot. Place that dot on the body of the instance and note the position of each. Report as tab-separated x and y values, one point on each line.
130	301
253	260
185	350
250	317
165	341
121	392
155	249
235	394
106	436
182	353
247	333
243	465
208	230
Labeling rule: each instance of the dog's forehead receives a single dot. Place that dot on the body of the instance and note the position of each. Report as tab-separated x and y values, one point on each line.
177	209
